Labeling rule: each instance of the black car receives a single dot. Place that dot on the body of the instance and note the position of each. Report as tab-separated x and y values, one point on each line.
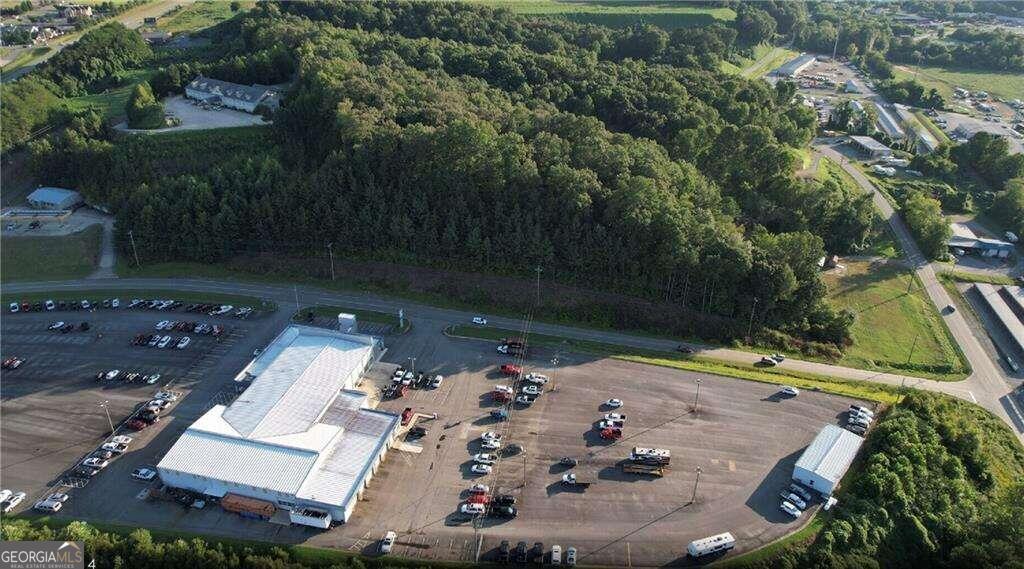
504	551
38	307
511	450
67	328
85	471
521	552
683	348
106	303
537	552
506	512
83	326
568	461
503	500
101	376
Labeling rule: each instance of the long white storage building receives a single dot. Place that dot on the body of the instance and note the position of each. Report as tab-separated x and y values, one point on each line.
299	437
827	458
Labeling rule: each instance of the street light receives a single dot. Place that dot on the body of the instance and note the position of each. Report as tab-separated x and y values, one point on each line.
695	482
696	400
107	411
413	366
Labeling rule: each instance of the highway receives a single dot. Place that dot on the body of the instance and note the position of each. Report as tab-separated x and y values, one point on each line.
987	385
986	390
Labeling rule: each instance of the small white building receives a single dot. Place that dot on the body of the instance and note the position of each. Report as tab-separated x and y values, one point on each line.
55	198
827	458
232	95
870	146
298	438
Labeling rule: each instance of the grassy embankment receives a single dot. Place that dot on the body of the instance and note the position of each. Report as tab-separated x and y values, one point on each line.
361	315
200	15
126	294
50	258
695	363
111	103
766	58
618	14
23	58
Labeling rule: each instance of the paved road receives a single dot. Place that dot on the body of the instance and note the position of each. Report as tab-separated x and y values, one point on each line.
988	385
982	391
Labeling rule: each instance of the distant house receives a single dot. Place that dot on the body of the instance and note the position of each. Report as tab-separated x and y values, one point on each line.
55	198
74	11
871	147
231	95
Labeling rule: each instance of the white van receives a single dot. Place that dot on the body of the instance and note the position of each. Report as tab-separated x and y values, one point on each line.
437	381
556	554
708	545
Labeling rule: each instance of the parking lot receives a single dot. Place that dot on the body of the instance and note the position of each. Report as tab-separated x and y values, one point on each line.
194	117
744	438
55	409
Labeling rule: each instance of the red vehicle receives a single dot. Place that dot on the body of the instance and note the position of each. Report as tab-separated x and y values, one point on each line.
501	396
406	415
137	424
511	369
478	498
611	434
12	363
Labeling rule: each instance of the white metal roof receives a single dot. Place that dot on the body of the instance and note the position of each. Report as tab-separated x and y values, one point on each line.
297	378
1003	312
52	195
869	143
1016	294
241	461
830	453
296	429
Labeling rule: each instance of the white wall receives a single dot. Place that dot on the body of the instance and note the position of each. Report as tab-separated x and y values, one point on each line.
813	481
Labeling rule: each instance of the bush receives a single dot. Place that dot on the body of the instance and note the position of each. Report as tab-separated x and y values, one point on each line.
144	110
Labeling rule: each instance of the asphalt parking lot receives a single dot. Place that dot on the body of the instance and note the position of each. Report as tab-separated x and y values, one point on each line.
744	438
52	413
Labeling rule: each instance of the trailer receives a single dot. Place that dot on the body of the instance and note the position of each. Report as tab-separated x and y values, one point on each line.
649	469
248	507
573	479
310	517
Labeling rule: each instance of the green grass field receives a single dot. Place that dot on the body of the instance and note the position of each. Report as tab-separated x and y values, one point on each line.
361	315
616	13
1007	85
126	294
111	103
766	59
50	258
199	16
894	318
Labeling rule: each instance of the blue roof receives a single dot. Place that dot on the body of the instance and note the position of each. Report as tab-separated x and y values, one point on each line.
52	195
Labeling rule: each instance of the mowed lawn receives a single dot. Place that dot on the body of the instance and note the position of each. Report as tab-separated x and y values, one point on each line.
111	103
896	323
50	258
199	16
1007	85
615	13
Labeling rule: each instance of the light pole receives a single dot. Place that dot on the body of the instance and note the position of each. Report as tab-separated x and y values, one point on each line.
695	483
413	366
750	327
696	400
538	269
107	411
330	251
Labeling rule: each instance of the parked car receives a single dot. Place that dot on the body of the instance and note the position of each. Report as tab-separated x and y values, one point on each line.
143	473
15	307
479	320
151	379
5	495
58	497
479	489
56	325
790	390
862	410
768	361
490	435
556	554
472	509
531	390
95	462
112	374
521	556
122	440
137	425
614	417
12	501
484	458
48	506
388	542
436	382
794	499
790	509
570	556
114	448
779	358
504	551
613	403
526	399
481	469
85	471
49	305
799	490
568	461
166	395
490	444
505	512
683	348
164	342
537	378
184	342
609	425
511	369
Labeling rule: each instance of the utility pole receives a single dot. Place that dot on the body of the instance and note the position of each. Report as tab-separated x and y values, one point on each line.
695	483
903	378
538	269
134	250
696	400
330	251
750	327
296	289
107	411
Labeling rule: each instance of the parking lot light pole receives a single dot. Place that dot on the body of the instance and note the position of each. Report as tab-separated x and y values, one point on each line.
695	482
696	400
413	366
107	411
330	251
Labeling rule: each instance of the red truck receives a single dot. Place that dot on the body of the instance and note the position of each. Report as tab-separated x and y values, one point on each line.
611	434
511	369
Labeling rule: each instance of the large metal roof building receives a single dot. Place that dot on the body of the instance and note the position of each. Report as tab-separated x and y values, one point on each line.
298	438
54	198
827	458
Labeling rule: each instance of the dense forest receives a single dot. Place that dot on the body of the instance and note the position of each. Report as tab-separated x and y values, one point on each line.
460	137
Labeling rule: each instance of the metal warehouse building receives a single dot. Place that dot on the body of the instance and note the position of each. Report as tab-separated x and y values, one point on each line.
827	458
54	198
793	67
298	438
